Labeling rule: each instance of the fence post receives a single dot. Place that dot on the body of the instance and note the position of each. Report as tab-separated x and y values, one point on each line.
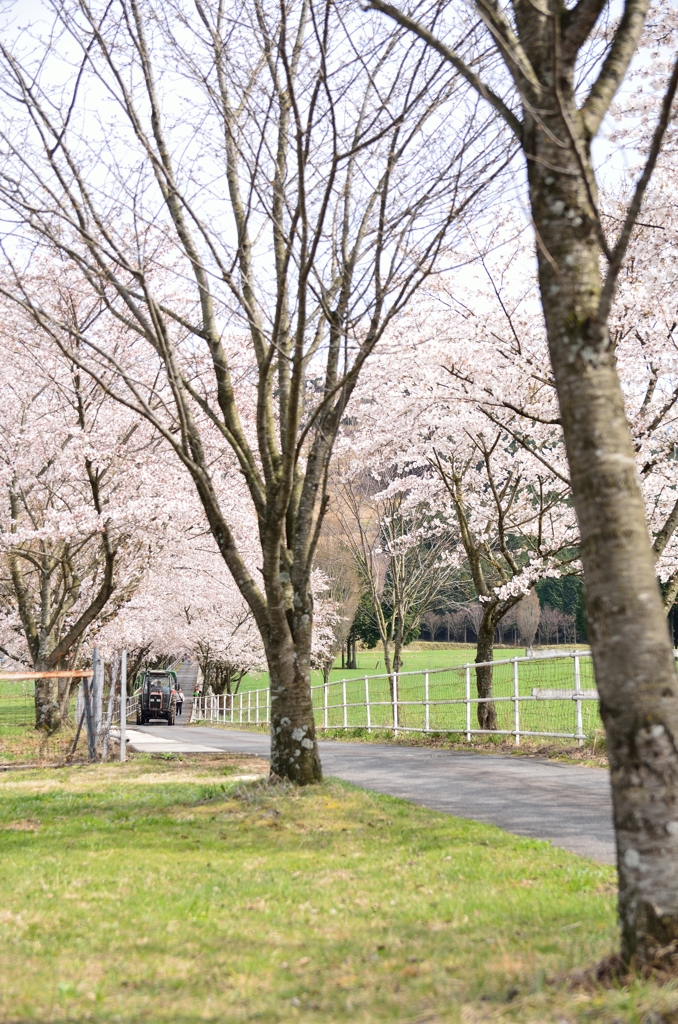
268	706
427	721
395	703
516	702
249	707
367	705
326	698
96	695
123	704
89	717
256	711
577	700
468	703
343	694
241	707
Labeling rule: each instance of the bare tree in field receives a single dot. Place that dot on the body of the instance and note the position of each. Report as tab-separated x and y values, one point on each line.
258	184
336	562
399	554
541	65
528	615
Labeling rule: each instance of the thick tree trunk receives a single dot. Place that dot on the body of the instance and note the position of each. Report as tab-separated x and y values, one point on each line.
294	749
632	651
48	707
52	701
487	712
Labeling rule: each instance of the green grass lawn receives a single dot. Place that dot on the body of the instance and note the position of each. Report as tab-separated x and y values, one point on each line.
150	892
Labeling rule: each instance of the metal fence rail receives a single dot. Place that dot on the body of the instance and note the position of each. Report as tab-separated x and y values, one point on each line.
548	696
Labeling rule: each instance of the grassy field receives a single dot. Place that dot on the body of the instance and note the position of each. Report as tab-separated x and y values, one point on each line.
447	684
152	892
417	657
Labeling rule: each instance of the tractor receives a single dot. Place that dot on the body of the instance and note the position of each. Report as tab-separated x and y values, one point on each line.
156	694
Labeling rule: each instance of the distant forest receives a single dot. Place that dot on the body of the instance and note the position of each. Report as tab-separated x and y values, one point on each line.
562	619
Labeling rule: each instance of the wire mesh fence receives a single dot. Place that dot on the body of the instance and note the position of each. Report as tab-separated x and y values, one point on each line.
24	736
43	712
550	696
17	704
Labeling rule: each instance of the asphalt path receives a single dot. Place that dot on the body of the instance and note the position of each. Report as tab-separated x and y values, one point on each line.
564	804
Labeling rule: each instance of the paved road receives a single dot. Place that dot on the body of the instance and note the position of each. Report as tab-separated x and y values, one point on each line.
567	805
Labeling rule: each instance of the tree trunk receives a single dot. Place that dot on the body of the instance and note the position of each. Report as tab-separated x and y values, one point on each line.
388	664
48	707
398	652
487	712
294	750
351	651
632	651
52	701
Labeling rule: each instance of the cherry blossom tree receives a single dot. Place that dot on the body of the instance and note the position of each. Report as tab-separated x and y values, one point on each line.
502	511
286	206
189	607
81	510
552	75
463	390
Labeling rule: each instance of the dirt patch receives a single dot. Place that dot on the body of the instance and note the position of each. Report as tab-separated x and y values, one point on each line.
153	779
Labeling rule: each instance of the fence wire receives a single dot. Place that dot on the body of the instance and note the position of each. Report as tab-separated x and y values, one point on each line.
17	704
548	696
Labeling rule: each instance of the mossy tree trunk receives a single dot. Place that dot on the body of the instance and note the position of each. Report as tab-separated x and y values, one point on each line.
540	44
632	650
294	750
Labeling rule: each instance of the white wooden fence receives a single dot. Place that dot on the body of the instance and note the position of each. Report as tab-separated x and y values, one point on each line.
547	696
